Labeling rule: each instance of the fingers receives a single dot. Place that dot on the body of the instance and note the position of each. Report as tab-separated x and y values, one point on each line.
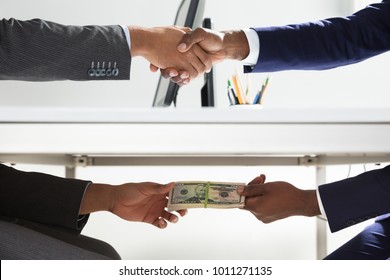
198	58
167	73
252	190
258	180
191	38
162	222
182	212
198	62
204	58
178	77
168	216
194	66
170	73
185	29
153	68
190	68
167	187
181	80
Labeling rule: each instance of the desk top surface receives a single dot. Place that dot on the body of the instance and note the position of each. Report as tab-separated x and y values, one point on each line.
241	114
195	132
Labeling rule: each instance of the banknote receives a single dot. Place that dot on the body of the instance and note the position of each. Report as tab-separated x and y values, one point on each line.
204	194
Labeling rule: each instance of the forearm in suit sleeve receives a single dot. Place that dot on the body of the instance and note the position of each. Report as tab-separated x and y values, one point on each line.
41	198
38	50
354	200
325	44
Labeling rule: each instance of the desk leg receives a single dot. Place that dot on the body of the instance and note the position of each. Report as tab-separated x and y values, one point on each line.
320	223
70	172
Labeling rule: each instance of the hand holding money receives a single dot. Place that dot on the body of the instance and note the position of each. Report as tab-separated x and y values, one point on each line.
204	194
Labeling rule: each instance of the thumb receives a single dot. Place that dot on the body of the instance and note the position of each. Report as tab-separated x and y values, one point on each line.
166	188
191	38
252	190
152	188
258	180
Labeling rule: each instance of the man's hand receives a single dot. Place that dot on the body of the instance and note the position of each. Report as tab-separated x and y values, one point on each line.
210	41
137	202
273	201
218	45
159	46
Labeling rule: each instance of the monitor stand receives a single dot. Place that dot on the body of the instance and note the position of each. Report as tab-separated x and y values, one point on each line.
207	91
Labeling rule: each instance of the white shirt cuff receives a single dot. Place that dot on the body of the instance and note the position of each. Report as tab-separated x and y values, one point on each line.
323	214
127	34
254	47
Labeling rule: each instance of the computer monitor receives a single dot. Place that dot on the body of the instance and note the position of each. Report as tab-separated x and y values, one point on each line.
189	14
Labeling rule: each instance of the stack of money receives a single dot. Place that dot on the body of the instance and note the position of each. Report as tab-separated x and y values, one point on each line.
203	194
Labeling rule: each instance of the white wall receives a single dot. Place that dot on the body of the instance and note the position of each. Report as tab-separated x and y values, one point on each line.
203	234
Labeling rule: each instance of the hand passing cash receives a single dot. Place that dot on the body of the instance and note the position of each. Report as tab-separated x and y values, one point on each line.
203	194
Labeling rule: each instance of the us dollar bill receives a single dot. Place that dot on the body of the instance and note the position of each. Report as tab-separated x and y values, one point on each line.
205	194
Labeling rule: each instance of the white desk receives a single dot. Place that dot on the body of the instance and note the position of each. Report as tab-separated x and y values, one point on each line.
232	136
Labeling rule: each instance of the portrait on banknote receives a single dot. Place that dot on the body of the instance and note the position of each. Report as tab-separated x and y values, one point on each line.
204	194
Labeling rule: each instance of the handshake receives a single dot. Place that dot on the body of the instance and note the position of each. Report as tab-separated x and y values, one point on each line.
182	54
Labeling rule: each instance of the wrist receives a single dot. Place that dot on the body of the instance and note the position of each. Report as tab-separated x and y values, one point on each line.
140	40
98	197
235	45
311	204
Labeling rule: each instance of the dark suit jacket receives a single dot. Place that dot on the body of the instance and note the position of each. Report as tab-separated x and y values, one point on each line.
41	198
354	200
38	50
327	43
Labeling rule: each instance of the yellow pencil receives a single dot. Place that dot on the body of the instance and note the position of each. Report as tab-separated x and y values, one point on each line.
237	89
239	84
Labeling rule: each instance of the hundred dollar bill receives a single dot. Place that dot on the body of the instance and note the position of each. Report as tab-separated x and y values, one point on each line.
203	194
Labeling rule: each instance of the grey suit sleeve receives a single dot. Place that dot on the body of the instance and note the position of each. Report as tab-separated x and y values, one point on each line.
38	50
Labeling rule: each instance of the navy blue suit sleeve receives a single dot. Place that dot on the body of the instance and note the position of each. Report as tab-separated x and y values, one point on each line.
326	43
354	200
41	198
